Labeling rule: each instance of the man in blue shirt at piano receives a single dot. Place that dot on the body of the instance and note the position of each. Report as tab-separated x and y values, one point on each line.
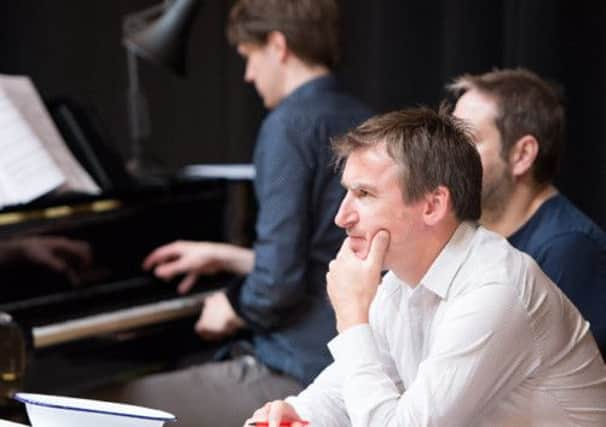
290	47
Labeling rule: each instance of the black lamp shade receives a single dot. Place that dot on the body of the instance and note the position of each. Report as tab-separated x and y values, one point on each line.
164	42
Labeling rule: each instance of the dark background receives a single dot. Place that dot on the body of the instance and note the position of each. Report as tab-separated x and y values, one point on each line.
397	53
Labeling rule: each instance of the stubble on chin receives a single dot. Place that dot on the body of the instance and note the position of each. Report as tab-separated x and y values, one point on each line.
496	196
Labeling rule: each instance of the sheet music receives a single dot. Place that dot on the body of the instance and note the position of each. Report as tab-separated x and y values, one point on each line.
26	169
24	96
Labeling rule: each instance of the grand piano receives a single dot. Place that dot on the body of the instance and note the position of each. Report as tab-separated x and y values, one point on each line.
76	309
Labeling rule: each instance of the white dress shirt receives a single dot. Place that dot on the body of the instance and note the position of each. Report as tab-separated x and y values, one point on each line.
485	339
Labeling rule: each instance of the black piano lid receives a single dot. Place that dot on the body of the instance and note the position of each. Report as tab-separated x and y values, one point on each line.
117	229
65	254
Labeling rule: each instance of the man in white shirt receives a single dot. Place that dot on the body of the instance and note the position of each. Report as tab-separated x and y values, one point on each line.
464	330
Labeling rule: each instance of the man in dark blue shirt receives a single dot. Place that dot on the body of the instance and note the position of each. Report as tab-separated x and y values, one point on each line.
290	47
518	123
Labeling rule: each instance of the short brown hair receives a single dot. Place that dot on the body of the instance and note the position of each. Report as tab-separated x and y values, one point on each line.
527	105
431	148
311	27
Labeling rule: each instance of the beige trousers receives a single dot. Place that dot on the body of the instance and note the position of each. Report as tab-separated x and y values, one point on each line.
221	394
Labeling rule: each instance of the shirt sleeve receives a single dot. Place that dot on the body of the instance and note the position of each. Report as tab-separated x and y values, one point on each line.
273	291
482	348
321	402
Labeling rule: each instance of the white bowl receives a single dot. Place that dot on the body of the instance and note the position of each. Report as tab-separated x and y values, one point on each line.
4	423
59	411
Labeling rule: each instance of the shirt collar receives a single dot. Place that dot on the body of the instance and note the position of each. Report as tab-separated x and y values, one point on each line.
443	270
319	84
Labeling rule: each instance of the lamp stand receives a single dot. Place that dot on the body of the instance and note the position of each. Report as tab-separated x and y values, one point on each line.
138	116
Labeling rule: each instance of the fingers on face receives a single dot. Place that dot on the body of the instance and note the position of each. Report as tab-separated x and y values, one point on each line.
332	266
378	246
345	249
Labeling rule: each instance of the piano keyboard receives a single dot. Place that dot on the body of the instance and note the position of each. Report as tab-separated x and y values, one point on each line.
116	321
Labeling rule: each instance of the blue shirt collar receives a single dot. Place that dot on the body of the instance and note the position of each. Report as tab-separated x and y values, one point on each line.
319	84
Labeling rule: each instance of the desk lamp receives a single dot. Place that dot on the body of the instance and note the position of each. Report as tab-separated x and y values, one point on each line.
158	34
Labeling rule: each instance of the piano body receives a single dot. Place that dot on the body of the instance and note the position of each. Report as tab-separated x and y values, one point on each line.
96	317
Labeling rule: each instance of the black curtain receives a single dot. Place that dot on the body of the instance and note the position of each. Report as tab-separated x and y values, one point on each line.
397	53
401	53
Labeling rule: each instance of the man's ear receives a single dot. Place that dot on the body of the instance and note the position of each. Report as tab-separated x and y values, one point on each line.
276	42
523	154
437	205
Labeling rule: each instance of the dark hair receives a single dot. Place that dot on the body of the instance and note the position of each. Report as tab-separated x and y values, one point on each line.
527	105
311	27
431	149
